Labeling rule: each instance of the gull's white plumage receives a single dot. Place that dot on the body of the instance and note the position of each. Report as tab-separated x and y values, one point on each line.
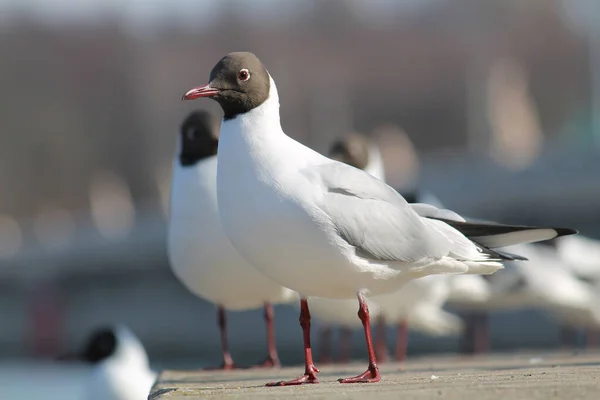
420	302
375	166
552	287
468	289
582	255
125	375
275	193
200	253
544	282
339	311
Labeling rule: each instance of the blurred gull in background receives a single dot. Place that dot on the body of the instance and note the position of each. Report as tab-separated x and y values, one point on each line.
120	369
418	306
545	282
571	301
340	312
200	254
581	254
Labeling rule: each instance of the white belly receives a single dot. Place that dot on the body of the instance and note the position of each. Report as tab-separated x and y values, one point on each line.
201	255
290	243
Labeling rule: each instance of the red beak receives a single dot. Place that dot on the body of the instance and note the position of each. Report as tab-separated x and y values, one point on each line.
200	91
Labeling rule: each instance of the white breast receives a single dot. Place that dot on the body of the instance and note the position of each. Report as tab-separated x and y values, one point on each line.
268	226
200	253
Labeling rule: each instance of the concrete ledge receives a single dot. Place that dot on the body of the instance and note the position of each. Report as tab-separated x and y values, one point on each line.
504	376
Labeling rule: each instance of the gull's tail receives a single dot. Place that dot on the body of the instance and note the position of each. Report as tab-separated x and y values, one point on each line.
492	235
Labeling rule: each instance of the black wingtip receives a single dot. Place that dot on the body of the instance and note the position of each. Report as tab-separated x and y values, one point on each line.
565	231
510	256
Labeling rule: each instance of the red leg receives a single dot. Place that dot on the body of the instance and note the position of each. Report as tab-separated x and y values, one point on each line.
568	337
272	359
345	339
591	338
401	340
381	348
325	345
482	334
228	363
310	370
372	372
467	338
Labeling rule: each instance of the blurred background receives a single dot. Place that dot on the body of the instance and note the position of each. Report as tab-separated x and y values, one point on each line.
492	105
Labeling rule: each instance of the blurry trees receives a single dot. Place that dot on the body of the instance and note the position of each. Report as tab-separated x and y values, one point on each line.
78	100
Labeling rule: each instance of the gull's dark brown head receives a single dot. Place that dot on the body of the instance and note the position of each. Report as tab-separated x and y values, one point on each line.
352	149
199	137
239	83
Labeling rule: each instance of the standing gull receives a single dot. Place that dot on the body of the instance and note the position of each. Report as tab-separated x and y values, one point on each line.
200	254
324	228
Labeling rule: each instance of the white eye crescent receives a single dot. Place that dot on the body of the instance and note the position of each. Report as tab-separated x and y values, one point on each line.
244	75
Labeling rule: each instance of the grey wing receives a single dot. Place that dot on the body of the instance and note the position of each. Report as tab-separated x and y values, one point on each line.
374	218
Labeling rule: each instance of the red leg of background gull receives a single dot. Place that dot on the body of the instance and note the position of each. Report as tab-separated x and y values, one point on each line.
591	338
272	359
401	340
228	363
466	340
310	370
381	348
345	339
568	337
46	314
325	345
372	372
481	337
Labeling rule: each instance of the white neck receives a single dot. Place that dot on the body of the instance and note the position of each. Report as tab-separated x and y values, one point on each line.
375	166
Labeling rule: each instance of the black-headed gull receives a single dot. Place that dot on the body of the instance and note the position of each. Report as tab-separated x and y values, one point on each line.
120	369
324	228
200	253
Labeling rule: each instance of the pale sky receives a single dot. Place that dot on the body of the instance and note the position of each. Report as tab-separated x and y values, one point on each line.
144	11
194	13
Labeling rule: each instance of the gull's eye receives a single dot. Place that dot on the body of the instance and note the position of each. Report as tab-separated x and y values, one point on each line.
244	75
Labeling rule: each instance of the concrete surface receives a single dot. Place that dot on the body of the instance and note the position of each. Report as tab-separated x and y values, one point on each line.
500	376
